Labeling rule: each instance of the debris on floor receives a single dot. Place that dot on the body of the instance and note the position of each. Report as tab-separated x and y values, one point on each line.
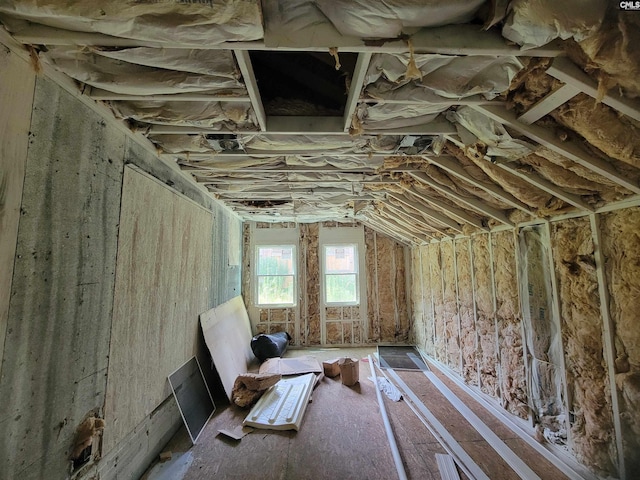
283	405
249	387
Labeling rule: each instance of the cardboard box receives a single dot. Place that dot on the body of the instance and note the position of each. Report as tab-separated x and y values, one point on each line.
331	367
349	371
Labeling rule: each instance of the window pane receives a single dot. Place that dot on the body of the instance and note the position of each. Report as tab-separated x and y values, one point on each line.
275	261
341	288
340	259
275	290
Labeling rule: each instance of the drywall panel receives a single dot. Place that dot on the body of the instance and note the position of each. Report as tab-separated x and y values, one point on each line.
227	332
438	303
485	324
163	282
450	304
17	81
621	248
57	342
513	387
227	248
465	311
587	383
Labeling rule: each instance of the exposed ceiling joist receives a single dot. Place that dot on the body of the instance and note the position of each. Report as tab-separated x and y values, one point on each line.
455	212
100	94
566	71
410	218
357	82
448	164
473	203
568	149
294	125
548	103
289	183
292	169
379	228
543	184
427	212
447	40
401	229
396	222
246	68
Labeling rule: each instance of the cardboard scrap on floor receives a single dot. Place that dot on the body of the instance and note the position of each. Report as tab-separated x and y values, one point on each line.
349	371
237	433
291	366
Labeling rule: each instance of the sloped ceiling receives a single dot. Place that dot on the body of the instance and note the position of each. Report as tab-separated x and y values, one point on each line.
422	120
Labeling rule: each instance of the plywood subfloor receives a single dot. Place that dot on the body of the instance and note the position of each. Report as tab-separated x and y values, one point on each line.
342	436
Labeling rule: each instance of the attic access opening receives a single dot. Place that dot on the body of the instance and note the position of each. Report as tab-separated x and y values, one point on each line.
303	83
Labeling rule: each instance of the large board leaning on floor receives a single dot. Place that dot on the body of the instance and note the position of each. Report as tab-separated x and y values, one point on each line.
227	333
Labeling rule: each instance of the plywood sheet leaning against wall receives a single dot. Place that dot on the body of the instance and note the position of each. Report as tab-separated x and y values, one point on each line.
587	383
311	278
513	387
450	303
439	339
17	80
620	233
485	323
465	311
163	277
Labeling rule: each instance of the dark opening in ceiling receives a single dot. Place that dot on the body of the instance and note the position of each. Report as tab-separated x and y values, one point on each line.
303	83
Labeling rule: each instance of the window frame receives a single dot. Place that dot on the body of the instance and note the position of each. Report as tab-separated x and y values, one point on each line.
356	272
256	274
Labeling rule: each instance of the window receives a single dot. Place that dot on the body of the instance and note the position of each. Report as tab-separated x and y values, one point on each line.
275	274
341	274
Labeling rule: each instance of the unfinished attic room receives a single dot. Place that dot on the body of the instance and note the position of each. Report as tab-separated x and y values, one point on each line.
319	239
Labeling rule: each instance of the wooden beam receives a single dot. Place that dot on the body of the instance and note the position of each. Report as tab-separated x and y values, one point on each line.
427	212
472	100
395	225
357	82
100	94
496	326
383	230
455	278
257	182
548	103
290	195
408	225
407	217
440	432
447	40
568	72
213	171
543	184
514	461
471	202
283	125
456	212
608	333
246	68
547	139
451	166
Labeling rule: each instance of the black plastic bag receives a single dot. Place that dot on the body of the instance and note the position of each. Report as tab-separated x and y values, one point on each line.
270	346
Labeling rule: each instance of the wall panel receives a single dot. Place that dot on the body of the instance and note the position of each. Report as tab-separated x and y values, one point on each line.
17	81
163	283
